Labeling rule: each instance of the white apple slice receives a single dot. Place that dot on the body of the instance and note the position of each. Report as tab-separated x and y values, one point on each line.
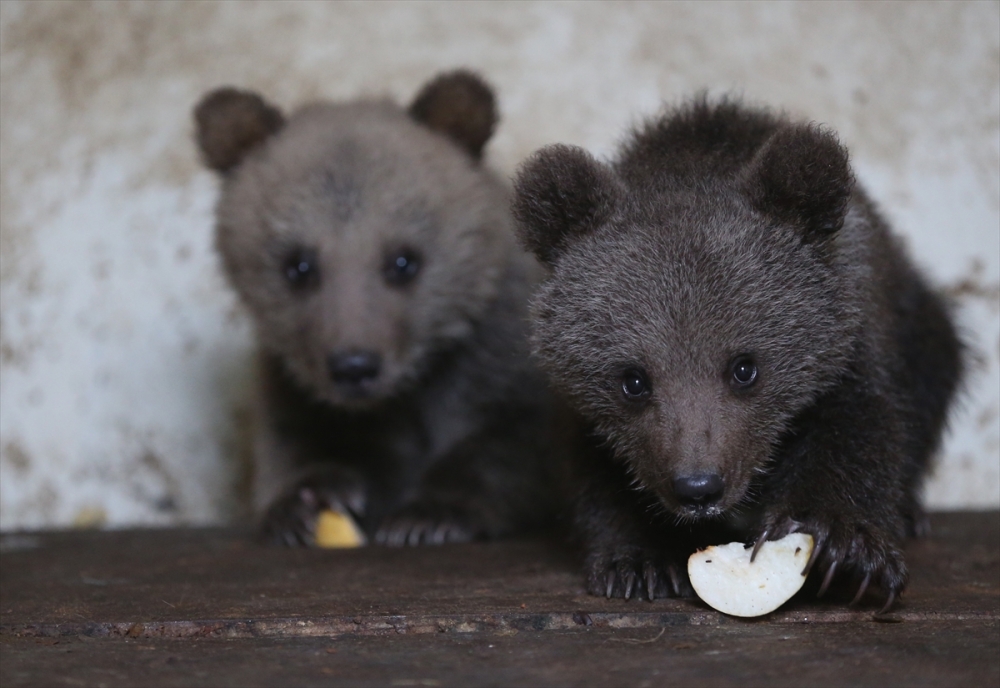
726	580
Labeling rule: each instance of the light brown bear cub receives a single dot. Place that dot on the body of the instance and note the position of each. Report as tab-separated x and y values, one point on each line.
376	255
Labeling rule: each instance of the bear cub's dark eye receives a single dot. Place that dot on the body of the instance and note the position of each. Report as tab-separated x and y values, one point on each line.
301	268
743	372
635	384
401	266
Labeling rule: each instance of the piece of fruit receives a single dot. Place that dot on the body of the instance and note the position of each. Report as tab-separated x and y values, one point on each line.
726	580
336	529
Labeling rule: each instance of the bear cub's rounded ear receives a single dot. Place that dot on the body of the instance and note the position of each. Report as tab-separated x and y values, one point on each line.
561	192
802	175
230	123
459	105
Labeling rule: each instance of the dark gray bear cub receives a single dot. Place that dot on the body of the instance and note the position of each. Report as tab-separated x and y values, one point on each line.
747	342
377	258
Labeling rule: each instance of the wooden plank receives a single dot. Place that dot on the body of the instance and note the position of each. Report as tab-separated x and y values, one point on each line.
922	653
114	607
220	583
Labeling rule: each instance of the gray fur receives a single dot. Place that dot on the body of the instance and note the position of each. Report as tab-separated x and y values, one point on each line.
410	450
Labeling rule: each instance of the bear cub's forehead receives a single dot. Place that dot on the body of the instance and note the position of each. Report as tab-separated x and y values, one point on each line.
692	266
365	165
368	147
693	243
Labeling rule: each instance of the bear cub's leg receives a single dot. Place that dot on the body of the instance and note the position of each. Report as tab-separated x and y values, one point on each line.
483	488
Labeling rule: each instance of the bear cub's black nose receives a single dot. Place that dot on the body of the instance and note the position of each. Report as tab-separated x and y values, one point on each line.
354	367
699	490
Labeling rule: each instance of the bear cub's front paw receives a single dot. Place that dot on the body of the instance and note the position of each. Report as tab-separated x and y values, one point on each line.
853	549
291	519
640	573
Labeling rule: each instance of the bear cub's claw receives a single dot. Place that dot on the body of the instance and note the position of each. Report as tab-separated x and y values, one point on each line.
427	523
626	576
858	552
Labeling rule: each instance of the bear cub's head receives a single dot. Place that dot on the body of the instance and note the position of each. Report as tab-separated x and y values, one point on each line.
365	238
697	299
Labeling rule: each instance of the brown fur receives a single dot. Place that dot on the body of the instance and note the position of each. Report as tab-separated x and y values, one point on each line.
725	236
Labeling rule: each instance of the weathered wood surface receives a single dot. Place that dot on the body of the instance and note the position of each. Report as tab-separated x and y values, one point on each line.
209	607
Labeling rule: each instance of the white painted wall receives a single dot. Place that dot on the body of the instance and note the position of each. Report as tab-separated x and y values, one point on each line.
124	358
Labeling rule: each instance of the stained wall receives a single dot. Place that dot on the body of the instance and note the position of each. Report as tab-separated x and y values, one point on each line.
125	358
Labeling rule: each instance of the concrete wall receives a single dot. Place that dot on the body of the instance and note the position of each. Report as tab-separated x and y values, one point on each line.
124	357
